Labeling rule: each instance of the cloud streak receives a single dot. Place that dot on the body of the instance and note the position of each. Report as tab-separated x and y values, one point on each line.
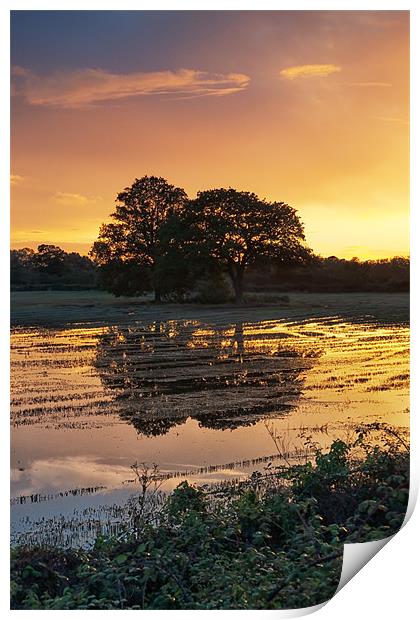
85	87
308	71
68	199
391	119
371	84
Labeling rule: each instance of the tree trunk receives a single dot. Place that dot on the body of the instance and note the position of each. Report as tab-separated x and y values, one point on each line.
158	297
238	285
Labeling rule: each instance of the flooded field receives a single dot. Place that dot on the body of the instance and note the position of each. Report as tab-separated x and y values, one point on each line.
99	385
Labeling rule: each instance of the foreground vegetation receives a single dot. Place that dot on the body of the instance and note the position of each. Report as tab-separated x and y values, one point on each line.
273	541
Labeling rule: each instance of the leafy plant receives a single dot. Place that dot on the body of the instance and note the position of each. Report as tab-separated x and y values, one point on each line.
272	541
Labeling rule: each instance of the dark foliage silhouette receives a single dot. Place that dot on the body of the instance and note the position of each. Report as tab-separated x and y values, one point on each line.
50	267
231	230
332	274
128	249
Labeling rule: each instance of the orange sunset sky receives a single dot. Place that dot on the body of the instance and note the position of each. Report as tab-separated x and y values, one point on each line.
310	108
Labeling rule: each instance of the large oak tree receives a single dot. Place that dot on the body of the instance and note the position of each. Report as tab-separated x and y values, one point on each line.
235	228
128	249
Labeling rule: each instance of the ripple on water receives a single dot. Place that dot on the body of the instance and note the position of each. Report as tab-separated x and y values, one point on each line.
189	395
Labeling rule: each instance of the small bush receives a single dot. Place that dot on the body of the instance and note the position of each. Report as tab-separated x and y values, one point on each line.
214	289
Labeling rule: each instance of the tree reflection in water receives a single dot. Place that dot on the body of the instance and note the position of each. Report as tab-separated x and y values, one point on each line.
220	375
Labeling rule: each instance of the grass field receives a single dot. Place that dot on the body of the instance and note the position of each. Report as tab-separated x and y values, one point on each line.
60	308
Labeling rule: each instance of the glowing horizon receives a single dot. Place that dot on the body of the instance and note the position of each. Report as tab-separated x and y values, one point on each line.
309	108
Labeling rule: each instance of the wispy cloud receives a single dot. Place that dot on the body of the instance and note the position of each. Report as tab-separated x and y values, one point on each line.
308	71
84	87
391	119
15	179
68	199
371	84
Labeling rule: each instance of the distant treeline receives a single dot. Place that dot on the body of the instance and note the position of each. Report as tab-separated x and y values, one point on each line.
333	275
50	267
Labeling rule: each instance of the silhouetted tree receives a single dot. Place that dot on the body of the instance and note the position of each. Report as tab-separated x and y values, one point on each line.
332	274
22	266
50	259
50	267
234	229
183	266
128	249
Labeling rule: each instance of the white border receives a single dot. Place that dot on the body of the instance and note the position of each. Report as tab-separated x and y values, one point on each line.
387	586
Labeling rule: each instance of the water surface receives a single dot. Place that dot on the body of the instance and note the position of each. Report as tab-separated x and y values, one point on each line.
197	396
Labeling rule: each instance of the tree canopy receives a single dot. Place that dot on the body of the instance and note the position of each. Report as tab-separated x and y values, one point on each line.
50	267
128	248
50	258
161	241
234	229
